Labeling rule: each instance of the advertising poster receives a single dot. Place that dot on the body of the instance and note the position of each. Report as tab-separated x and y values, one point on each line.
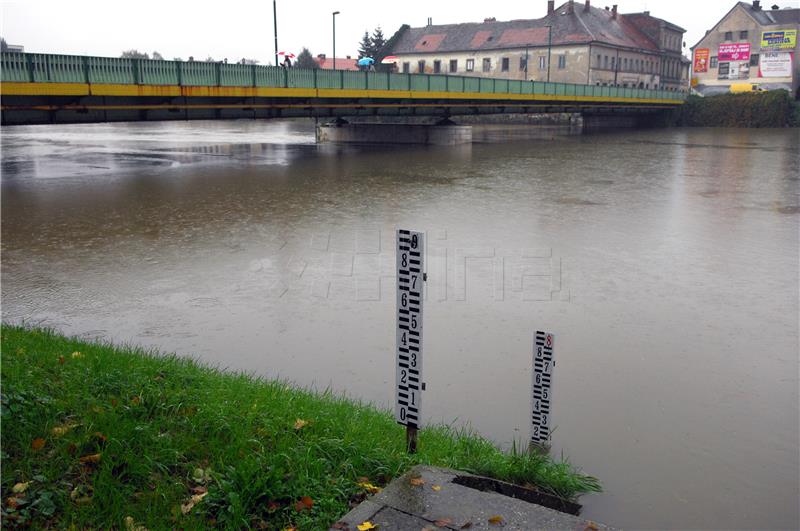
778	39
738	51
701	60
776	64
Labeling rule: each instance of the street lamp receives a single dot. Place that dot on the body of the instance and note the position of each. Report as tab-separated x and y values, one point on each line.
334	39
549	48
275	19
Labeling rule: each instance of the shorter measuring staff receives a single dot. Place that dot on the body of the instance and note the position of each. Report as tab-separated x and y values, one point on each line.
410	271
543	365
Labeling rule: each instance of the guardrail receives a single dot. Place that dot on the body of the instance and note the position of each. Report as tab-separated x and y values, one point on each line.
48	68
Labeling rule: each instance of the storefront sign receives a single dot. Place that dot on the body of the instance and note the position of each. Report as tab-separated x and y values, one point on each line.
777	40
734	52
776	64
701	60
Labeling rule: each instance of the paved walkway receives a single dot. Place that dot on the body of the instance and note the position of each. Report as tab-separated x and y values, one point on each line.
426	498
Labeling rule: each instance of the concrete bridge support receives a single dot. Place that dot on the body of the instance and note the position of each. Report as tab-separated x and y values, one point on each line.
447	134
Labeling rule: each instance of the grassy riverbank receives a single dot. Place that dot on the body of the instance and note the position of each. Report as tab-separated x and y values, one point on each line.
775	108
101	436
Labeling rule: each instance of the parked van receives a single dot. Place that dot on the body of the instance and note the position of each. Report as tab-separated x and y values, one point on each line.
737	88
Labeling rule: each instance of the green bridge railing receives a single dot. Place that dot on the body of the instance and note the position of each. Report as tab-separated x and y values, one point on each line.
48	68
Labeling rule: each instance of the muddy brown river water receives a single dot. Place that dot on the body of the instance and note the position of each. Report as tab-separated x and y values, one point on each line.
665	261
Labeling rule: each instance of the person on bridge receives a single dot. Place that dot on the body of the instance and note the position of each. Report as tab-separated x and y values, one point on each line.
287	63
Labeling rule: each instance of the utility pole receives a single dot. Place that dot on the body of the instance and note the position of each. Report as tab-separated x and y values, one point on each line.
334	39
275	19
526	63
549	49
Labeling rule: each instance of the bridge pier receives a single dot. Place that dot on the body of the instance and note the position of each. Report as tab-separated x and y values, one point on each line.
443	134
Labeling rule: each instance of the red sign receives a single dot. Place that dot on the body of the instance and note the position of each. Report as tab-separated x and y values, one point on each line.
734	52
701	60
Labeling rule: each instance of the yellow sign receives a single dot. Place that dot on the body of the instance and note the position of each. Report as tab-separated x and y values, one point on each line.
780	39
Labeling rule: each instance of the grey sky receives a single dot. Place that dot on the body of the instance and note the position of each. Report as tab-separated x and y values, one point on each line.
234	29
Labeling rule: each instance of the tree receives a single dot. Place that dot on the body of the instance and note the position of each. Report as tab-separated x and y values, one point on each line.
365	46
3	45
134	54
378	42
158	56
305	60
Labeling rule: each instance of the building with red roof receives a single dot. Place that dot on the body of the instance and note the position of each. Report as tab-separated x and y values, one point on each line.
574	43
342	63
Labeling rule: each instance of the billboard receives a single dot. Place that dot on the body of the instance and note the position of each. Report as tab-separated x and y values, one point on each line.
738	51
701	60
778	39
734	70
776	64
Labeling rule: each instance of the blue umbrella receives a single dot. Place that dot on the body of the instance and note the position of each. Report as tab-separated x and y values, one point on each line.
365	61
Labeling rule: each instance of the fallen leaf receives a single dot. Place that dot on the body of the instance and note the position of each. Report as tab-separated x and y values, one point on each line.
19	488
437	488
369	487
135	400
100	437
199	490
299	424
11	502
417	482
77	355
443	522
273	506
194	500
340	525
114	402
83	500
590	526
63	429
61	360
362	479
467	525
496	520
303	504
366	526
37	444
289	529
90	459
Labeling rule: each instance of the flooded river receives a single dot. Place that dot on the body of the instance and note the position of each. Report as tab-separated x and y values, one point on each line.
665	261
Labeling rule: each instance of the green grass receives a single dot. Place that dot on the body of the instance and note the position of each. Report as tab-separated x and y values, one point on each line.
164	425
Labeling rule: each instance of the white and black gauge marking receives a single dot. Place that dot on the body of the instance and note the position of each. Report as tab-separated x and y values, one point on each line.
542	387
410	278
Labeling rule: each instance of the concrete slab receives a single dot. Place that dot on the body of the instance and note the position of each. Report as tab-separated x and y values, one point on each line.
432	500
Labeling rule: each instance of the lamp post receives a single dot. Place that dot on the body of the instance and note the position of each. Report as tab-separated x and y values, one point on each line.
275	19
549	48
334	39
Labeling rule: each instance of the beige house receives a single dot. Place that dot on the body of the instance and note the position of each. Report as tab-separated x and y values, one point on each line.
750	44
574	43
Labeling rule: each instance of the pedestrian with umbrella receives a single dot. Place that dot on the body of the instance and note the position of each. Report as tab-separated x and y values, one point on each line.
366	63
287	59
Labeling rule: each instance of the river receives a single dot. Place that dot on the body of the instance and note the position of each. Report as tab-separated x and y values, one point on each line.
665	262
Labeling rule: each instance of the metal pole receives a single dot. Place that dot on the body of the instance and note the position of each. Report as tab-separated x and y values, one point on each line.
526	63
275	19
334	39
411	439
549	49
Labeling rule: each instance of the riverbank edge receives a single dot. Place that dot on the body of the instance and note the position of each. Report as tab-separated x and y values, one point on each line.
774	108
99	435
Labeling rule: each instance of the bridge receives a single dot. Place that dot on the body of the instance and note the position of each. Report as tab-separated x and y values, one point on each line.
43	88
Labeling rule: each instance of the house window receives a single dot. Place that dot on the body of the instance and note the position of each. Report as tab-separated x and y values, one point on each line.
713	63
728	35
562	62
437	66
470	65
613	63
605	63
504	64
454	65
487	64
542	62
421	67
743	35
523	64
406	68
754	59
625	64
724	70
599	61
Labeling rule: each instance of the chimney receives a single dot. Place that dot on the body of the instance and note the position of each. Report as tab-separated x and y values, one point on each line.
614	12
587	6
756	5
571	7
430	21
551	7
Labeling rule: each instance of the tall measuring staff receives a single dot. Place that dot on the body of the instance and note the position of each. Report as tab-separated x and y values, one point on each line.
410	278
543	365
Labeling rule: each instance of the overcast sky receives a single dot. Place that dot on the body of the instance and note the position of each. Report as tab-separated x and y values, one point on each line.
234	29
